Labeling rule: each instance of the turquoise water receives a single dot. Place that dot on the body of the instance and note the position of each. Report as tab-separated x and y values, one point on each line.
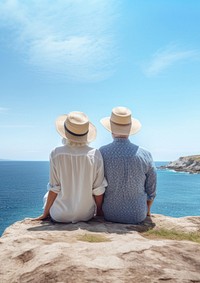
178	194
23	185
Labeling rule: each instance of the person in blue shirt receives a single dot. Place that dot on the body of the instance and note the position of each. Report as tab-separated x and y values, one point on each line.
129	170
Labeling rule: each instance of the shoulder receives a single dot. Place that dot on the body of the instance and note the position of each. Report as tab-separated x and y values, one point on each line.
106	147
57	151
96	153
144	153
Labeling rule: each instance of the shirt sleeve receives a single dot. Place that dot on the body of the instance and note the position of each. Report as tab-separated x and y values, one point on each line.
151	180
100	182
54	183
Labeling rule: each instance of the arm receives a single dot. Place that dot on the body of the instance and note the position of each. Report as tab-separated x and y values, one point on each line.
50	200
149	204
99	202
53	188
99	184
150	185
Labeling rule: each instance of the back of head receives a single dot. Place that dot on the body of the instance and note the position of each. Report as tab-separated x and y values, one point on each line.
76	128
121	122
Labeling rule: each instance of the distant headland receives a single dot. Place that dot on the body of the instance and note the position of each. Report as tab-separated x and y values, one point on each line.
190	164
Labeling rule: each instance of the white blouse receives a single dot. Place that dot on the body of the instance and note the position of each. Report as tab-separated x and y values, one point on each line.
76	174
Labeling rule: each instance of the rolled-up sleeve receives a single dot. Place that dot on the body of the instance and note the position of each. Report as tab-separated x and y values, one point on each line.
54	183
100	182
151	181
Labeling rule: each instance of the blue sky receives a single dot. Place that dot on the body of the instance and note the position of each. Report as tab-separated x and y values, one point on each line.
92	55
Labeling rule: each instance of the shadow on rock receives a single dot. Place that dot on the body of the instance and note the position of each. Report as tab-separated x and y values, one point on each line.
97	225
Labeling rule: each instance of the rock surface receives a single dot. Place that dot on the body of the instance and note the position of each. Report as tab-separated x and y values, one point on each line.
190	164
45	252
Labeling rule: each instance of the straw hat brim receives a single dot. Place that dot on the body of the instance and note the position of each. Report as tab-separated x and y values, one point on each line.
117	129
89	137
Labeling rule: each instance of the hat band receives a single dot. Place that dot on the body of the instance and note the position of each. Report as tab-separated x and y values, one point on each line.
120	124
77	135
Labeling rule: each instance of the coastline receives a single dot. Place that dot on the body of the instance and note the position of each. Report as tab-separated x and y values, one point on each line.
187	164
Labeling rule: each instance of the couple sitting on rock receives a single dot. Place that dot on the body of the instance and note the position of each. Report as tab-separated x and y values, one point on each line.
118	181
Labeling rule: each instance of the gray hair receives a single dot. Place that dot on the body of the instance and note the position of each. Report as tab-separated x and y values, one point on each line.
73	143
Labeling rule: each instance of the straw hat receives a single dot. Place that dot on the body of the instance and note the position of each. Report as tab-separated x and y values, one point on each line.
121	122
76	127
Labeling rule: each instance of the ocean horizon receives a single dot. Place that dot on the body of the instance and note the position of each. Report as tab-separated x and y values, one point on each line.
24	183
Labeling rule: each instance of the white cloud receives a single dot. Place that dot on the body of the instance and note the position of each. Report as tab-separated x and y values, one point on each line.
3	110
72	38
80	58
15	126
165	58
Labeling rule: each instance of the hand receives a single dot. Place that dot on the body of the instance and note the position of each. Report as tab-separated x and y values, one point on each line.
148	213
99	212
40	218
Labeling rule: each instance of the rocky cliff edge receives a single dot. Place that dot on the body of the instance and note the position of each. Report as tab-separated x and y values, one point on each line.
99	251
190	164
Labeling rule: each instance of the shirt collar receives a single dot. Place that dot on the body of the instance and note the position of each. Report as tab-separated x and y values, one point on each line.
124	140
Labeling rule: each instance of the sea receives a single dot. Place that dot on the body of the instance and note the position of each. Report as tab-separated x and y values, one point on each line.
24	183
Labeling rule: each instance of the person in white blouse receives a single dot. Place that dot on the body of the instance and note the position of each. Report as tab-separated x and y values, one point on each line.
77	184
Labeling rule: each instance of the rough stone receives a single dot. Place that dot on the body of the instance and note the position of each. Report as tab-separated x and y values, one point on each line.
190	164
47	252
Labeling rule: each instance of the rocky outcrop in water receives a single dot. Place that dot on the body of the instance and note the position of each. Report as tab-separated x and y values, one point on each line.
98	251
190	164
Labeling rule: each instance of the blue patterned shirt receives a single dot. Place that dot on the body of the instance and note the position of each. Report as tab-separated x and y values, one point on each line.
131	177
